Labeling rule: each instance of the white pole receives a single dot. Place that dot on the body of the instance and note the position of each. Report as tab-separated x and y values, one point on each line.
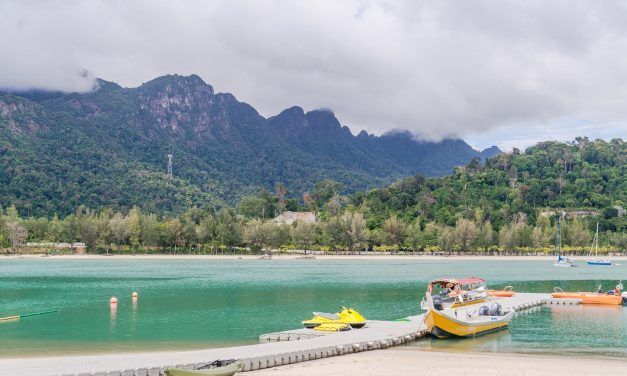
597	240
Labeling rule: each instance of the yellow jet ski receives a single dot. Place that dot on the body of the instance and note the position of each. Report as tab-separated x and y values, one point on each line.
332	326
351	317
345	316
320	318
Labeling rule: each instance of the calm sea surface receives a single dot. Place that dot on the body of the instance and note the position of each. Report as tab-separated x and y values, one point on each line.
187	304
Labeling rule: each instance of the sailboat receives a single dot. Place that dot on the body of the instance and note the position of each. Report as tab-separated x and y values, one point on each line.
561	261
595	244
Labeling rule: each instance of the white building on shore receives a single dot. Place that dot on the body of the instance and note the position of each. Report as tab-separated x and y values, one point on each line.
290	217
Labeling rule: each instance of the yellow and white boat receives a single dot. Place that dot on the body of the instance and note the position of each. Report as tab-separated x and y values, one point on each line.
466	321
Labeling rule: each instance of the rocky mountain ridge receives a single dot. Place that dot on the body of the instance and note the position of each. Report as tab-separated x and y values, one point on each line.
108	148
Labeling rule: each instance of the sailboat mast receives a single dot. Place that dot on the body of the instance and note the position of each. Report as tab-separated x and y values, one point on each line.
594	242
559	237
596	238
556	237
556	244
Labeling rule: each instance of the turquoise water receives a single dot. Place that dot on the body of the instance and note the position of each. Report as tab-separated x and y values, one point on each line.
593	331
187	304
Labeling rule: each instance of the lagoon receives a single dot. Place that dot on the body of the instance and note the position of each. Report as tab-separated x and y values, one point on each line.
202	303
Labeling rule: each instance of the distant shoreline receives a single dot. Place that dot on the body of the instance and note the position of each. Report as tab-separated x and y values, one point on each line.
293	257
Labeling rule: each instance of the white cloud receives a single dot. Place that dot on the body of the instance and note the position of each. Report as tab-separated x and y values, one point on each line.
437	68
524	135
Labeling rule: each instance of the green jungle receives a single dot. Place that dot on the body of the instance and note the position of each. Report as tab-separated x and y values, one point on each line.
509	204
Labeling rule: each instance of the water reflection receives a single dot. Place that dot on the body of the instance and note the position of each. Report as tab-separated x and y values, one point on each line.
593	330
600	325
491	342
113	313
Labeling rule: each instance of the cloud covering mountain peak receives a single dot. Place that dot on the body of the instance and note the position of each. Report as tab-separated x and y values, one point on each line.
438	69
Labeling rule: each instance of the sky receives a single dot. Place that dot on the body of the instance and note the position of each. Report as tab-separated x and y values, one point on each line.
506	73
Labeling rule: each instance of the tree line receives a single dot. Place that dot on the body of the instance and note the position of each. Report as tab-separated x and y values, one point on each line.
202	232
510	203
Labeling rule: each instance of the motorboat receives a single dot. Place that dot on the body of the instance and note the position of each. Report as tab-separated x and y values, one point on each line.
344	316
453	293
467	321
597	261
611	297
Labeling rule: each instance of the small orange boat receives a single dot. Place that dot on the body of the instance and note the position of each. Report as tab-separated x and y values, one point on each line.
589	297
507	292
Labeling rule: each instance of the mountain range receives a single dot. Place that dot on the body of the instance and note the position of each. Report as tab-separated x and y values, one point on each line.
109	148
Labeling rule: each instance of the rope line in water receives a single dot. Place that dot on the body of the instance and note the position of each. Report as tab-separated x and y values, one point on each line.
17	317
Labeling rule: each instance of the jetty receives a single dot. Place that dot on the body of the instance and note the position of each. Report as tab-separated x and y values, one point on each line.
275	349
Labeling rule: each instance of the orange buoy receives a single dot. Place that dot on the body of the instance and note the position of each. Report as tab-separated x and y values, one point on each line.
501	293
507	292
113	300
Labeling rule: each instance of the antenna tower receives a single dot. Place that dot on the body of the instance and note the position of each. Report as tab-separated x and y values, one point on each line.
170	166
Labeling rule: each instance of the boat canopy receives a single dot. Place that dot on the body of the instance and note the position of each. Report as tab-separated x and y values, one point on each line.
471	281
455	284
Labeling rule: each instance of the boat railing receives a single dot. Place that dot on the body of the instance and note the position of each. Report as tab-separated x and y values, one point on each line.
557	289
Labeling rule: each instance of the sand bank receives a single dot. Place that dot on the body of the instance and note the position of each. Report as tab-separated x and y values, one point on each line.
407	361
397	361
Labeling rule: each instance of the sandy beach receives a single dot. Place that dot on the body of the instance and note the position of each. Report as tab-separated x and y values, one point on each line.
390	362
369	257
407	361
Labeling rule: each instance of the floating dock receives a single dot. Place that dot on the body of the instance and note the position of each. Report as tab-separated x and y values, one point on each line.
276	349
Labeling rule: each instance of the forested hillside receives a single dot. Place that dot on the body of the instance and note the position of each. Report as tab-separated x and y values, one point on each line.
580	175
512	200
509	204
108	148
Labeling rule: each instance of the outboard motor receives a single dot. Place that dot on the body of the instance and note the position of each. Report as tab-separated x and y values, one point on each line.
624	296
484	311
496	309
437	302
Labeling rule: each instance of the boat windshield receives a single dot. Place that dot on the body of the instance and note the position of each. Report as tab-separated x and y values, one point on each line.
448	285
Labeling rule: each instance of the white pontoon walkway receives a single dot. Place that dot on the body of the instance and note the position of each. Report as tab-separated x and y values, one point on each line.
290	348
